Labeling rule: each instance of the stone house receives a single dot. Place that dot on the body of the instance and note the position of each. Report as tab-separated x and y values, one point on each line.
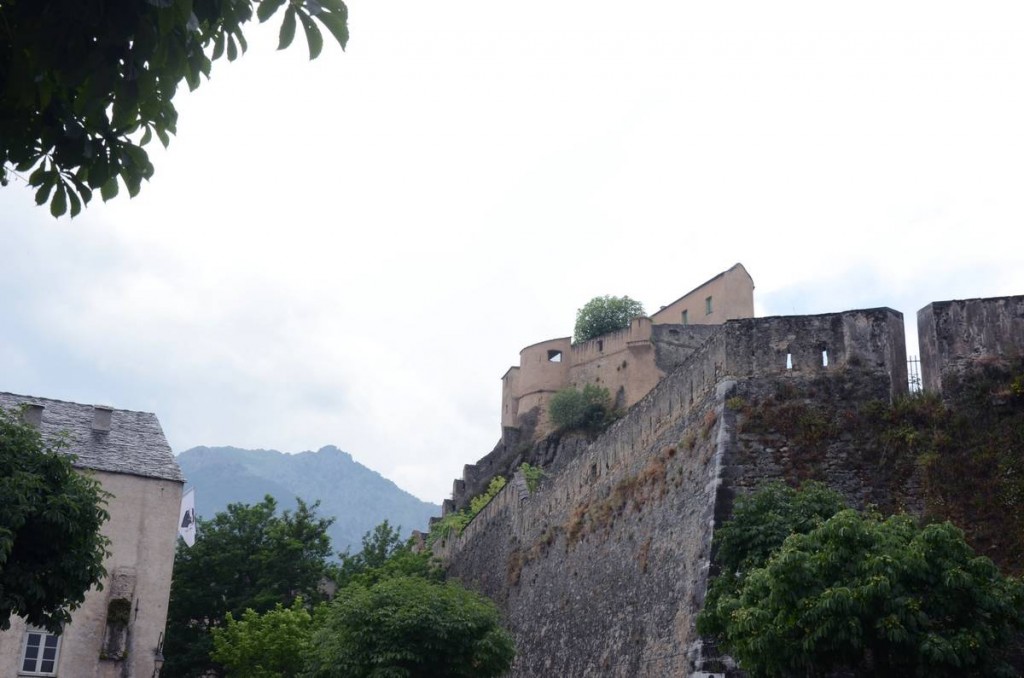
117	632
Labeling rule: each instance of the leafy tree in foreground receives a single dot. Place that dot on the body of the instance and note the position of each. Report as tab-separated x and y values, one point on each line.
410	627
51	548
247	557
878	597
384	556
574	410
85	85
602	315
271	645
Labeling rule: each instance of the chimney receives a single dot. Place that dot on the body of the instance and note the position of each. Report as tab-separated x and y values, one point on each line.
32	415
101	417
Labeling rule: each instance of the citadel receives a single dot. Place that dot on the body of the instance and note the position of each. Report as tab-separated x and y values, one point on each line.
602	569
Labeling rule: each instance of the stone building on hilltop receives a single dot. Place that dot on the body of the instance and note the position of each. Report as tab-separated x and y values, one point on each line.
630	362
128	453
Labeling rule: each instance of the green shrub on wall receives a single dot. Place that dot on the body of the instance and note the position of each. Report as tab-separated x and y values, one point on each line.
588	410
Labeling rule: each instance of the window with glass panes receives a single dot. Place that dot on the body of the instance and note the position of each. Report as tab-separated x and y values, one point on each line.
40	655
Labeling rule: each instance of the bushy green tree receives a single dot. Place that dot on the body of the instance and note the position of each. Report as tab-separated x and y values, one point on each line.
853	591
248	557
51	547
589	409
272	645
384	555
410	627
602	315
85	85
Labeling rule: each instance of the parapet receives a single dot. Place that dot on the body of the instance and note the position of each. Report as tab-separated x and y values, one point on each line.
798	345
956	334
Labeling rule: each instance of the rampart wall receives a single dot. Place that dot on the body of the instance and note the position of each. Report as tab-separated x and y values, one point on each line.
955	334
601	571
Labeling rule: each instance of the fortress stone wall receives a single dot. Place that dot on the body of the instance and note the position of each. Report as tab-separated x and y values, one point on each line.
956	334
602	570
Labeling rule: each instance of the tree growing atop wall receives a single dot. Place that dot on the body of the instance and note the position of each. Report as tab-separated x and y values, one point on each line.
602	315
51	547
84	86
857	592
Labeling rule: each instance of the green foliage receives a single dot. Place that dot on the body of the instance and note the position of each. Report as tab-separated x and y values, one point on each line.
384	556
85	85
532	475
761	522
602	315
878	597
589	410
246	557
410	627
272	645
456	521
51	548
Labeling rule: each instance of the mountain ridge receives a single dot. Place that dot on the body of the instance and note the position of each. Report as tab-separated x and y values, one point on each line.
357	497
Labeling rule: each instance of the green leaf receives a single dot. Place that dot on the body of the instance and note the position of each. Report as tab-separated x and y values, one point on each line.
164	138
147	136
287	28
76	204
109	189
267	8
338	27
232	48
218	46
43	194
313	37
59	204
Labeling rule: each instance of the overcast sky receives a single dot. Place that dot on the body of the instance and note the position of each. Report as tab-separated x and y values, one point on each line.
352	251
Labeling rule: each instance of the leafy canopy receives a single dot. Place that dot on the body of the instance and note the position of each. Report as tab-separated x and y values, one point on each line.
248	557
856	592
410	626
395	618
51	547
271	645
602	315
84	86
384	555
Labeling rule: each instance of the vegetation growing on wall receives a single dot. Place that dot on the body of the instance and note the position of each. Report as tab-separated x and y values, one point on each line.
532	475
456	521
967	449
588	410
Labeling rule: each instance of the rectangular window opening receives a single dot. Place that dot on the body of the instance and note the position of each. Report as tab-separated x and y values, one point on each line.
707	306
40	653
554	356
824	357
789	361
686	317
600	345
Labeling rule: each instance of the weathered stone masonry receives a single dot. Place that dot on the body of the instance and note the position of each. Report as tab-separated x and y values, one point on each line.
602	570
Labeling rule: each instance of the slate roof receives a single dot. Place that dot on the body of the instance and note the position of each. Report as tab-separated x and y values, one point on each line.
135	443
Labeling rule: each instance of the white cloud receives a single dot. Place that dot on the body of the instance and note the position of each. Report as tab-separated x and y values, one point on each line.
352	251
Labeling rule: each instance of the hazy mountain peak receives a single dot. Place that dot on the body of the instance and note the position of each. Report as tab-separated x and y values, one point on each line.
357	497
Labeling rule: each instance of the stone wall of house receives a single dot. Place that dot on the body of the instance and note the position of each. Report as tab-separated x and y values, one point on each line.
142	530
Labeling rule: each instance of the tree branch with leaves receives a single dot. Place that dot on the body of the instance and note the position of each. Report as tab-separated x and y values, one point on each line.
86	85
